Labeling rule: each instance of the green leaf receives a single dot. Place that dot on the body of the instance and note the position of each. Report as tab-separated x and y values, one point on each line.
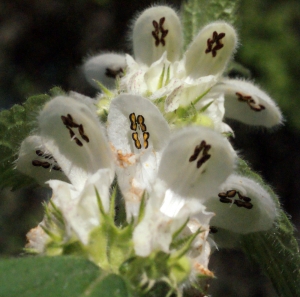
277	250
15	125
277	253
58	276
197	13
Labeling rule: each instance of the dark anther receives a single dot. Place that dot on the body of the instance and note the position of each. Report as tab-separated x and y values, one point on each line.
141	122
250	101
225	200
56	167
36	163
135	122
213	229
202	160
222	195
80	130
197	151
248	205
72	134
246	199
45	165
39	153
216	39
239	203
113	73
78	142
146	136
159	29
231	193
85	138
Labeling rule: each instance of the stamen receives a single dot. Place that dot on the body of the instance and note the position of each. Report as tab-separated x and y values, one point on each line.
243	202
246	199
133	124
136	140
205	156
141	120
45	165
231	193
114	73
225	200
216	39
250	101
81	132
39	153
57	168
146	136
85	138
72	134
203	160
197	151
159	29
69	123
78	142
222	195
36	163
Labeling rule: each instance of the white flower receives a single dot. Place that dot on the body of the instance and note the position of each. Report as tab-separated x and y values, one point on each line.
193	165
72	138
248	104
137	133
37	162
104	68
242	206
159	71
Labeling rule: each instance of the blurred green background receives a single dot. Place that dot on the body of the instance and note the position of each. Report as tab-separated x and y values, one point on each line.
43	43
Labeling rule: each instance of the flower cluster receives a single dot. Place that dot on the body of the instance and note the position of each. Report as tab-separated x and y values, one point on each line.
153	144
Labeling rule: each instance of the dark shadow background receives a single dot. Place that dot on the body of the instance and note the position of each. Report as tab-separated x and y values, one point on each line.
43	43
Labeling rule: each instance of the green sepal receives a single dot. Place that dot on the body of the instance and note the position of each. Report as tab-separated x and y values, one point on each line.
109	245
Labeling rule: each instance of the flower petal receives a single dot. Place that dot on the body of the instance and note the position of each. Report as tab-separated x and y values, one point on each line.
37	162
73	134
195	162
210	51
80	209
104	68
138	133
155	31
247	206
248	104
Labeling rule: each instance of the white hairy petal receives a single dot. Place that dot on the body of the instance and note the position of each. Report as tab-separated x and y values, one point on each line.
242	219
200	62
198	178
137	160
104	68
248	104
80	151
80	208
37	162
155	31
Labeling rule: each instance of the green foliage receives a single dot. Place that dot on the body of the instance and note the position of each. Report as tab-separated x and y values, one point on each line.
277	250
15	125
57	276
197	13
